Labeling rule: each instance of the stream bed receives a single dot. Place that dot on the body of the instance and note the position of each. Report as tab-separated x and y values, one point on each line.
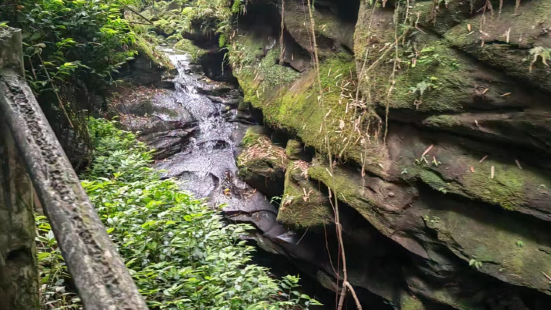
197	128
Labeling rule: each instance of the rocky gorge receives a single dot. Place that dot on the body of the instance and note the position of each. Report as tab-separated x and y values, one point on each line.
419	129
425	121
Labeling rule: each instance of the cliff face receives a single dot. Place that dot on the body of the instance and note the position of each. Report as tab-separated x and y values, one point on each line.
448	205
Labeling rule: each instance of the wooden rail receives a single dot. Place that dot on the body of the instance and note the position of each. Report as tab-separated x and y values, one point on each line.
102	280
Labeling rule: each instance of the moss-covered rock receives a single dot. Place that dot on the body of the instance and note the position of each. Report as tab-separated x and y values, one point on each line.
303	205
332	31
295	150
191	49
514	42
262	164
446	76
366	195
147	49
292	102
450	168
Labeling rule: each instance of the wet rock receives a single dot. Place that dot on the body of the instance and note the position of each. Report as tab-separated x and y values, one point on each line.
143	71
235	116
168	143
231	102
214	89
153	112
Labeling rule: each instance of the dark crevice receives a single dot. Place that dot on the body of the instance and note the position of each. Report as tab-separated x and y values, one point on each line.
21	256
347	49
345	10
216	66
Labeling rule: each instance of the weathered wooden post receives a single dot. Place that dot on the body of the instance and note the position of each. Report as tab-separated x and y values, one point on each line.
18	269
99	273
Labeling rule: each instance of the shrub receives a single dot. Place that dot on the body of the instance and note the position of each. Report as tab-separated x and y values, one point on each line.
65	38
177	249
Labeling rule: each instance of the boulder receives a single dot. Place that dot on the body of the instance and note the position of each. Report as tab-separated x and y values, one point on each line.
262	164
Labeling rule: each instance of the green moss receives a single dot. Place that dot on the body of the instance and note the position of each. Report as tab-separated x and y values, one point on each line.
158	58
511	188
511	56
346	186
482	254
506	189
462	303
431	178
440	69
294	149
446	121
257	166
411	303
252	136
295	106
492	239
303	205
187	46
260	156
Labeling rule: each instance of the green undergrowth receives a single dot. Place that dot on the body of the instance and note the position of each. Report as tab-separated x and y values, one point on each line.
69	46
176	248
174	18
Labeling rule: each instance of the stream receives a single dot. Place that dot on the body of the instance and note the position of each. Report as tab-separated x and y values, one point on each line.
196	129
206	165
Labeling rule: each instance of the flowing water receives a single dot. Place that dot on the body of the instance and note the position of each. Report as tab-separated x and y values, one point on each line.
197	130
205	163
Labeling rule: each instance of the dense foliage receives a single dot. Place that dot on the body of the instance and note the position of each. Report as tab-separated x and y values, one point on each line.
194	18
64	38
177	249
72	48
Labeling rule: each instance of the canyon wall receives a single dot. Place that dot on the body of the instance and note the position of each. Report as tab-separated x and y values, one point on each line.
435	117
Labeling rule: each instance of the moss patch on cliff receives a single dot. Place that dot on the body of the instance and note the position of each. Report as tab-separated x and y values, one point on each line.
303	205
437	80
507	248
348	189
259	148
294	103
512	188
262	164
507	42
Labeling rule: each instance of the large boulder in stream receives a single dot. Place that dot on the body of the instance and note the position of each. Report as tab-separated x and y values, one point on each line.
432	129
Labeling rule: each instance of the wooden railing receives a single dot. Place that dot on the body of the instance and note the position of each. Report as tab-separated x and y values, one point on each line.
102	280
